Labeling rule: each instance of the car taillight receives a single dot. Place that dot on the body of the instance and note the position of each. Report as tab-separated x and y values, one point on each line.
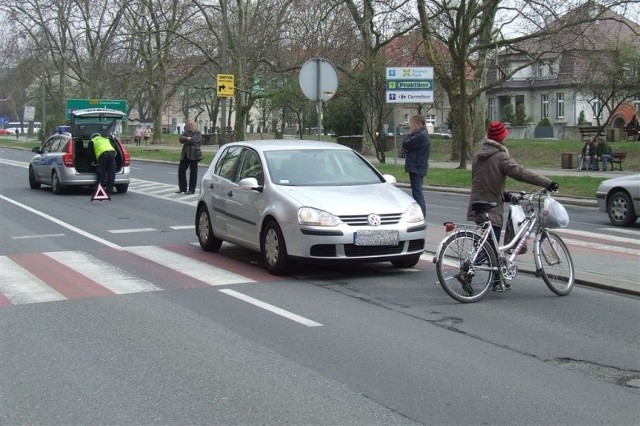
125	155
67	158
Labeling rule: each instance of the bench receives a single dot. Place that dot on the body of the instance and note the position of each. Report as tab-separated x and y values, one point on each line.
617	159
632	132
588	131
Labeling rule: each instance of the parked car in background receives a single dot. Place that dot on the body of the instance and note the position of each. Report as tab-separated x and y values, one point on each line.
306	201
620	199
67	158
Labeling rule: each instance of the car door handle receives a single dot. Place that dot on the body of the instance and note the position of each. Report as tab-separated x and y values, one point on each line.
211	186
230	194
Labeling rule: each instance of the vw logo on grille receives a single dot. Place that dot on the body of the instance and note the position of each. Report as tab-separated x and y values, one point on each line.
374	220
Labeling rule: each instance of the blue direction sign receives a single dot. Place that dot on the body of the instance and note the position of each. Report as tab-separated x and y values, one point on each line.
409	84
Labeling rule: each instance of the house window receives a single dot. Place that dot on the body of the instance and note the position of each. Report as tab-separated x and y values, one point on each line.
544	111
430	119
491	109
552	68
636	104
541	69
559	105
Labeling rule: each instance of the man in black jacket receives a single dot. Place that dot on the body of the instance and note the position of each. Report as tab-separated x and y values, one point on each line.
191	155
417	147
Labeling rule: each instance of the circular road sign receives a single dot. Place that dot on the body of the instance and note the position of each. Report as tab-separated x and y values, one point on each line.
318	79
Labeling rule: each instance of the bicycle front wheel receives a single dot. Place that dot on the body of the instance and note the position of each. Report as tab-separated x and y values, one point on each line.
555	263
466	269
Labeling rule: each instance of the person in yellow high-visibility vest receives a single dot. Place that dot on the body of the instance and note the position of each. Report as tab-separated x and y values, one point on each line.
106	156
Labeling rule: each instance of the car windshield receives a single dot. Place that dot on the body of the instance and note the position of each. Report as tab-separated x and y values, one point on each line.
319	167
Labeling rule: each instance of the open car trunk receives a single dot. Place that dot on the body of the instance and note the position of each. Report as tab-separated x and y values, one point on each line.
85	158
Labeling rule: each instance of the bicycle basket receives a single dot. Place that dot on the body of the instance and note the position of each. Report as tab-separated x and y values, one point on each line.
553	214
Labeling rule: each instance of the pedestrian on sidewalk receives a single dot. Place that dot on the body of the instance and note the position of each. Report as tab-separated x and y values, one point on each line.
417	147
189	158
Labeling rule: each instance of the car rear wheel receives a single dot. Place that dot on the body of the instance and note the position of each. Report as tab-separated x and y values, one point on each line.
274	250
406	262
122	188
620	209
33	182
56	186
207	240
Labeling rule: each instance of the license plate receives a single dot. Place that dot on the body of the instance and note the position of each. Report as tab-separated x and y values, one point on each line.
377	237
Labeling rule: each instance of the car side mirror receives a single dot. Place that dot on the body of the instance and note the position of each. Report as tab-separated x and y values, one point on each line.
36	149
250	183
389	178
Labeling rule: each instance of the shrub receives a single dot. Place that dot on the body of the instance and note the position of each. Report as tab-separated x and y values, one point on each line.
544	123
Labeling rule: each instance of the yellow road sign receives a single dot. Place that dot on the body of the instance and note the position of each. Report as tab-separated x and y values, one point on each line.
225	85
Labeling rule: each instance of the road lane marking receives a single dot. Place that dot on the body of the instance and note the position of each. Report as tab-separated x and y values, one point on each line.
271	308
26	237
131	230
103	273
589	234
182	227
63	224
204	272
21	286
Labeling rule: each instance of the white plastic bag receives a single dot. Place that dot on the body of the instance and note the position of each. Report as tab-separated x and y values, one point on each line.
553	214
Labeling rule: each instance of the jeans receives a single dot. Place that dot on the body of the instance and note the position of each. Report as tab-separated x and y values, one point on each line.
417	192
192	165
605	158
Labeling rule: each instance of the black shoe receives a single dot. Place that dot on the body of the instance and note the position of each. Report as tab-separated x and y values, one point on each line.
179	192
500	287
190	192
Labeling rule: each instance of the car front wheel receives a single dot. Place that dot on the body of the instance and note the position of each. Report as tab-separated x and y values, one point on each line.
33	182
620	209
207	240
274	250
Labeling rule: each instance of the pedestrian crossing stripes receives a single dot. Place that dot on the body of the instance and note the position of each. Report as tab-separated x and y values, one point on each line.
71	275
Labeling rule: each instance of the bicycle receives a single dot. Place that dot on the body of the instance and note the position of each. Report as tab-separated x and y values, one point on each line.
468	266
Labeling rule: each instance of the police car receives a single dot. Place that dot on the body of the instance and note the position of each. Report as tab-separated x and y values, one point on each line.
67	159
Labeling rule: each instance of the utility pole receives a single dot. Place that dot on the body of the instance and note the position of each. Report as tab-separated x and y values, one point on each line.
224	60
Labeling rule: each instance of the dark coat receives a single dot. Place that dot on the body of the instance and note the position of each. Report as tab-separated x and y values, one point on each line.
190	140
489	170
417	147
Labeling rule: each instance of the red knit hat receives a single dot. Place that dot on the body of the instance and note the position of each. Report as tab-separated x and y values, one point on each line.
497	132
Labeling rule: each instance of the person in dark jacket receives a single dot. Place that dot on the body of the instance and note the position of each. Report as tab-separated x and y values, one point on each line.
417	147
489	170
191	155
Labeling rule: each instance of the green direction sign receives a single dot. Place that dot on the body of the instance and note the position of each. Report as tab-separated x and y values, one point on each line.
409	84
76	104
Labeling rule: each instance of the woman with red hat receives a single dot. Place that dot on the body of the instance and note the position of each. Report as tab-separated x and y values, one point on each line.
489	170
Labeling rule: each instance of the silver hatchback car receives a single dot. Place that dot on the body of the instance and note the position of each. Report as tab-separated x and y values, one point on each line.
67	158
306	201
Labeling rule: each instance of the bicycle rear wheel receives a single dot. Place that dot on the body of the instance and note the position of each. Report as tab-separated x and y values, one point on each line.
462	278
555	263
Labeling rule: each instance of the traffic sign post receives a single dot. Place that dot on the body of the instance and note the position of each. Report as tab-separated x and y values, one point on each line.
318	81
225	85
409	85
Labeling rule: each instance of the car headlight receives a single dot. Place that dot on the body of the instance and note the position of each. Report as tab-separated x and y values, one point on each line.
413	214
311	216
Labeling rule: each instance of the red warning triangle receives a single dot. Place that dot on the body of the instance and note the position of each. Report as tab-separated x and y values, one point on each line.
100	194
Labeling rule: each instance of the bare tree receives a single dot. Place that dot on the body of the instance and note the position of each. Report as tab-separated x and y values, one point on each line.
475	31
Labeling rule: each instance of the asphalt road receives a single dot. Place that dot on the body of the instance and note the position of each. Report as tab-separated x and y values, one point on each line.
187	337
